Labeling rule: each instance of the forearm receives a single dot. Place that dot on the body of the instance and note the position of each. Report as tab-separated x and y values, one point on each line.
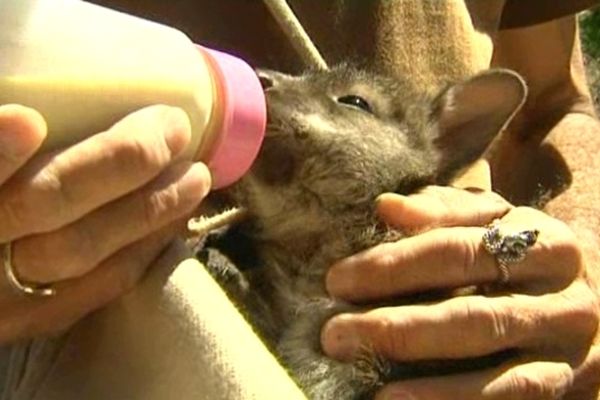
579	206
577	137
560	171
549	156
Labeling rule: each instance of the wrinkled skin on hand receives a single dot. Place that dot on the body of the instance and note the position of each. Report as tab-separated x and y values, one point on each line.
547	312
89	218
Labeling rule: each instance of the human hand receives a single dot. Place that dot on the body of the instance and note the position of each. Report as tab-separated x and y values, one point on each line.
89	219
547	311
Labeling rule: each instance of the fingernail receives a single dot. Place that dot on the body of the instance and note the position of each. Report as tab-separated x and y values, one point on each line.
389	196
195	184
386	199
16	144
339	338
10	146
177	129
22	131
389	206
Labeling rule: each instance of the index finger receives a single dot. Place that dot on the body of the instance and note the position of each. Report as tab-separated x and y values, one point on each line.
447	258
22	131
56	189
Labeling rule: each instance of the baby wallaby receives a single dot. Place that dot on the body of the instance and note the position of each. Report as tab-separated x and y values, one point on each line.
335	141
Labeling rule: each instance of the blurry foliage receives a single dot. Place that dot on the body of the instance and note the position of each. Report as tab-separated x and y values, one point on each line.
590	32
589	23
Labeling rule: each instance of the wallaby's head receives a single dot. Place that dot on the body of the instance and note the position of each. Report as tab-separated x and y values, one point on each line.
337	139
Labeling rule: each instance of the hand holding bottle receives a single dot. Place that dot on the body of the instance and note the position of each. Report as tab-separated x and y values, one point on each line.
94	176
91	217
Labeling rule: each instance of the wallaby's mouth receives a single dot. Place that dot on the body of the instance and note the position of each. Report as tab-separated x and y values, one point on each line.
276	162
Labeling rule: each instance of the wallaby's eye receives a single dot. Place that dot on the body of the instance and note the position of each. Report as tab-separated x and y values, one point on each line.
356	101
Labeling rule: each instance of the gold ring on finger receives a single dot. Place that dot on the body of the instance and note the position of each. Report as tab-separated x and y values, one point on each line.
24	288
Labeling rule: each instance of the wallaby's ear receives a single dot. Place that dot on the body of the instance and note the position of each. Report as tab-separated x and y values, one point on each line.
470	115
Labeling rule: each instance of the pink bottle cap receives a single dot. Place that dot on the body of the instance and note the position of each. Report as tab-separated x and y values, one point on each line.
244	119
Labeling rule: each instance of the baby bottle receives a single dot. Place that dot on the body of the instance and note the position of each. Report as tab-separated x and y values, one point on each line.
84	67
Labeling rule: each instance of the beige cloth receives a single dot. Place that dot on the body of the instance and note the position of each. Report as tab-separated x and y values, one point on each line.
176	336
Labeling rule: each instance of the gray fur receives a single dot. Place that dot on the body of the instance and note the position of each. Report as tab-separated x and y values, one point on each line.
311	197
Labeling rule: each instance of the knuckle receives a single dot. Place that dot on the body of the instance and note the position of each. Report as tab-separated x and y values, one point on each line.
583	313
470	256
383	256
394	339
386	262
527	218
557	247
457	250
136	153
488	205
51	181
526	384
490	319
157	204
568	253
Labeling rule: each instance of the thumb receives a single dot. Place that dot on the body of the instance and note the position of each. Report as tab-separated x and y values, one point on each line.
22	131
437	206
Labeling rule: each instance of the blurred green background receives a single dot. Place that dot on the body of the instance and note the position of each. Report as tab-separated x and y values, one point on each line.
589	22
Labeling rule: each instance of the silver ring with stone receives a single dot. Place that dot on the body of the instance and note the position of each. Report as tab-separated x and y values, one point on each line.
29	289
508	248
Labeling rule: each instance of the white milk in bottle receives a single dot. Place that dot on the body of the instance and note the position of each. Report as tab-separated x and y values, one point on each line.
84	67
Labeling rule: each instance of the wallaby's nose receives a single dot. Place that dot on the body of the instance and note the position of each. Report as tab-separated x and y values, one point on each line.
266	78
265	81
